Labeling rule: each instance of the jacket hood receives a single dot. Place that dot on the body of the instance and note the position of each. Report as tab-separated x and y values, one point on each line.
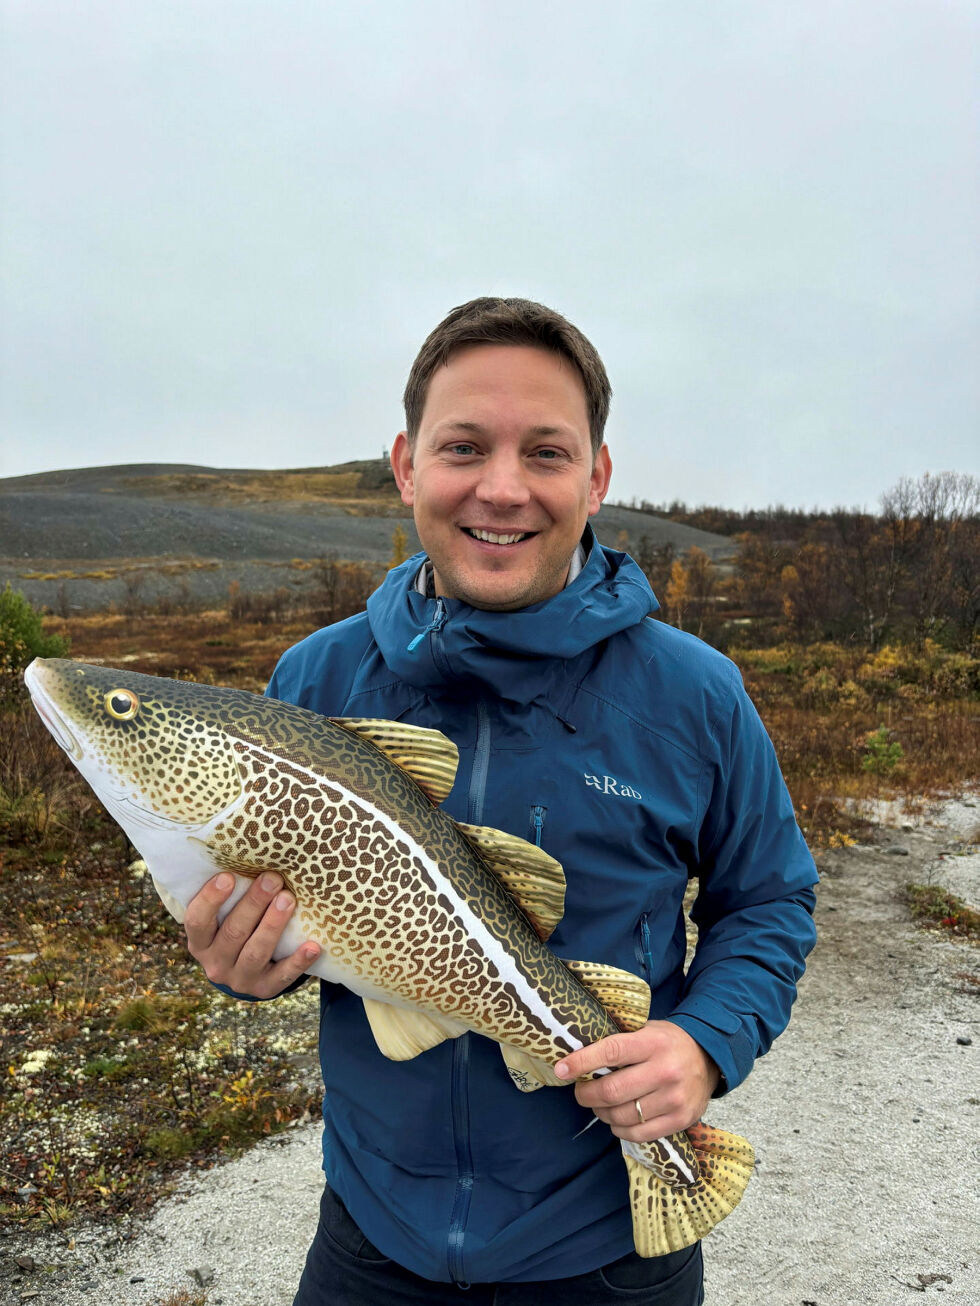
447	645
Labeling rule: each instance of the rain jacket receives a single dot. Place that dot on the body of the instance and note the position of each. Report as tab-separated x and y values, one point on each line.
630	752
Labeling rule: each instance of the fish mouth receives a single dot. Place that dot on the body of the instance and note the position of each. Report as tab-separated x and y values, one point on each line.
47	711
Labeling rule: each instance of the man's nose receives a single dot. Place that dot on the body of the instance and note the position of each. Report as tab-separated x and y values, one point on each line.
502	482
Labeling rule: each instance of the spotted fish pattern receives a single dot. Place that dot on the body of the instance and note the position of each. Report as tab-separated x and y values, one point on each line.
403	904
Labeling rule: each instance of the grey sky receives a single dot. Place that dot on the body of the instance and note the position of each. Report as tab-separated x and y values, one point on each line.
228	225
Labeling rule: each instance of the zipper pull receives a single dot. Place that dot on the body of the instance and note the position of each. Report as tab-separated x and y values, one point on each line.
434	626
537	820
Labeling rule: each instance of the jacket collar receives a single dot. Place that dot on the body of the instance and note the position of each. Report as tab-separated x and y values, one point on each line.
445	645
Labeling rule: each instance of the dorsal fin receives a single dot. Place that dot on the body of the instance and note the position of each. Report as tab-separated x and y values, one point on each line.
624	995
534	880
427	755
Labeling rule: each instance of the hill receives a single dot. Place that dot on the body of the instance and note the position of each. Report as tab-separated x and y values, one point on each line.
73	539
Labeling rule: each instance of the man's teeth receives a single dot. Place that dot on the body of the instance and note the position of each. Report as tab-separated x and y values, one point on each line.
491	538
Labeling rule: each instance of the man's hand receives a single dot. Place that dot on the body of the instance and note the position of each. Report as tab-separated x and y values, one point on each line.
238	952
660	1066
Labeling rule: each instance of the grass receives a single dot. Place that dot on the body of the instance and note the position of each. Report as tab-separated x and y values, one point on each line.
120	1061
937	908
122	1066
350	489
851	727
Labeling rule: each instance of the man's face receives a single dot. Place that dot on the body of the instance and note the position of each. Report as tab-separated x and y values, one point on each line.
502	478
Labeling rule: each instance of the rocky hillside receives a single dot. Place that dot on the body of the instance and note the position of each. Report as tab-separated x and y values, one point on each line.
70	539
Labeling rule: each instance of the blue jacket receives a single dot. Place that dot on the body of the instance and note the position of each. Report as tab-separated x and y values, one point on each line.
632	754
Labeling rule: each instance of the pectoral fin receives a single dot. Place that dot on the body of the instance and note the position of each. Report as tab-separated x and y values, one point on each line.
402	1033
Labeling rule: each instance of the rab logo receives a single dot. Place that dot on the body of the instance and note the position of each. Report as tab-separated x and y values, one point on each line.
607	785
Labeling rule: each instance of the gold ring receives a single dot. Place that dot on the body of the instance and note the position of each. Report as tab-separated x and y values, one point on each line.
639	1111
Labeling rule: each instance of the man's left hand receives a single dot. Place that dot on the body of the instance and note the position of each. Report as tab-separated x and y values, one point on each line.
659	1066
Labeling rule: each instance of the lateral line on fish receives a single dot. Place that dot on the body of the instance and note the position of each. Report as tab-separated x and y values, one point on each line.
508	971
673	1155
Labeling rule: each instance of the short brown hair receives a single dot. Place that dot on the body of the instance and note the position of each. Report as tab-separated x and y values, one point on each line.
491	320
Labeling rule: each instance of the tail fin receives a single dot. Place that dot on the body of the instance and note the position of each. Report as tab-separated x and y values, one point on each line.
669	1216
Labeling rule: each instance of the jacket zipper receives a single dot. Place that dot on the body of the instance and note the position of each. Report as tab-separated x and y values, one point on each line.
644	950
433	628
461	1045
537	822
481	765
464	1158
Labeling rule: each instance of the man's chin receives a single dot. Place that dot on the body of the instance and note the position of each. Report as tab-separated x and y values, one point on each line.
497	594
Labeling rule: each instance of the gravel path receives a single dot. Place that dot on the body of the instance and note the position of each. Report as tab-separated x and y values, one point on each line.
864	1118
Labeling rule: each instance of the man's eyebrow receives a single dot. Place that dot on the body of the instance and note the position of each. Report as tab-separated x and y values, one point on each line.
474	428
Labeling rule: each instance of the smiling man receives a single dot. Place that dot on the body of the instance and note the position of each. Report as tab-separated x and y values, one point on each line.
501	474
629	752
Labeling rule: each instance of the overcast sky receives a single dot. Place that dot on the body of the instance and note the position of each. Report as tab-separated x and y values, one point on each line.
226	226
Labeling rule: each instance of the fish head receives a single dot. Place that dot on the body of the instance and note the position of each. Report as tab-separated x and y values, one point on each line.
157	752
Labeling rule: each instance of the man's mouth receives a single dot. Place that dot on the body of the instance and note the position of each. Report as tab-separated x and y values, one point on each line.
496	537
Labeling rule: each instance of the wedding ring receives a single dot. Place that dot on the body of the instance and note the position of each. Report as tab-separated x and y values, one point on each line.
639	1112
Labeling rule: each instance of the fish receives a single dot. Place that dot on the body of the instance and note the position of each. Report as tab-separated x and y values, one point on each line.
440	927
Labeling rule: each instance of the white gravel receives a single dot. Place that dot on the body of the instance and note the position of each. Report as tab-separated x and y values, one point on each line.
865	1120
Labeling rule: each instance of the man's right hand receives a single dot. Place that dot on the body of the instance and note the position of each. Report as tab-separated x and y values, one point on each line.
238	952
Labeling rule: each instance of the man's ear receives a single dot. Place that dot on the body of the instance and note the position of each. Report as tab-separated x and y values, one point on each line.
401	465
599	481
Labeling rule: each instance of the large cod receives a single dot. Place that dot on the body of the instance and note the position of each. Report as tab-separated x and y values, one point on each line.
439	927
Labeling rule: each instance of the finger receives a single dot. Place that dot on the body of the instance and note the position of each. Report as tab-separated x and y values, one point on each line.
256	953
612	1051
201	916
617	1089
654	1126
285	972
240	923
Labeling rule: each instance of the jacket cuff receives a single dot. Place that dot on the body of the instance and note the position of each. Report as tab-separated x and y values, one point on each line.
724	1037
249	997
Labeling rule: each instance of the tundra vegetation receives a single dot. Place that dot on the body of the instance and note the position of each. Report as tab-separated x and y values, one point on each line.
856	633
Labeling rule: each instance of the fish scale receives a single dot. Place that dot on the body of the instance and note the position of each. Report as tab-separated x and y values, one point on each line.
440	927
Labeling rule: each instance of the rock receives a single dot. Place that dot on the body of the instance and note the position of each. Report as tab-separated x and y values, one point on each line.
896	850
25	1262
964	1041
203	1274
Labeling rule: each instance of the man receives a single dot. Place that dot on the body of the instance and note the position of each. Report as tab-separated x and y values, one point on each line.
630	752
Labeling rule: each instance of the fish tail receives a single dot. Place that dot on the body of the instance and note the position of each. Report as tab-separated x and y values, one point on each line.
670	1211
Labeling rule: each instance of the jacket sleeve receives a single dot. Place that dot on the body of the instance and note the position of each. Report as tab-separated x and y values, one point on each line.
754	909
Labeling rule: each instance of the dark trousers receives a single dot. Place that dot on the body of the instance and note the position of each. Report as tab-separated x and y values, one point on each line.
344	1269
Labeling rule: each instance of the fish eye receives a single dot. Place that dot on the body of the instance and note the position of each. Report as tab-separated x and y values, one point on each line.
123	704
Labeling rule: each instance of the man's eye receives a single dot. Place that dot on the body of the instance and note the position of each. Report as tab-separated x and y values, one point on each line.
549	454
462	449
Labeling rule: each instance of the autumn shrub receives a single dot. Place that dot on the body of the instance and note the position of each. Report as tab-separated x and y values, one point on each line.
340	589
264	609
22	639
41	793
849	724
